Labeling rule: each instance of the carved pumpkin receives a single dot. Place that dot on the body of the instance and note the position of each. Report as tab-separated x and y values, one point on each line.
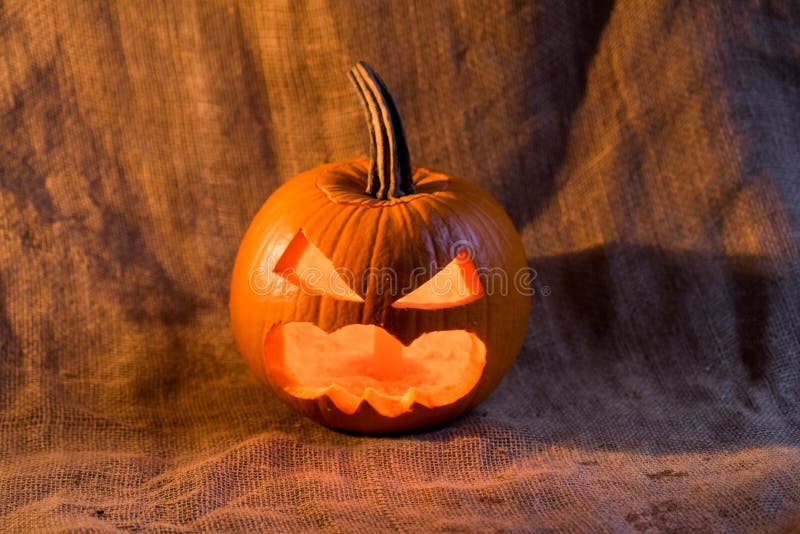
358	291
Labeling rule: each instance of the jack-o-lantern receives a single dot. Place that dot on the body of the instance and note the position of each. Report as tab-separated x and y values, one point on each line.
374	296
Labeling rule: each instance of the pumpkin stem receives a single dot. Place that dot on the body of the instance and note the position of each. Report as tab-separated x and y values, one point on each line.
390	166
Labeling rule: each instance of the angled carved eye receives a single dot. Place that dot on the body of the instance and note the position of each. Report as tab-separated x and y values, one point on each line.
455	285
304	265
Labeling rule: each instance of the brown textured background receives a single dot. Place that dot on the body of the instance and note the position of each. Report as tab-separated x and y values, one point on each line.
648	152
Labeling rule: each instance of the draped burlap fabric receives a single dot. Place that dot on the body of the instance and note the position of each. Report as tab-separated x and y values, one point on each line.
648	152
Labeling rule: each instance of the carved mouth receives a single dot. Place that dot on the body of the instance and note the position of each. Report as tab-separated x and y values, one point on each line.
358	363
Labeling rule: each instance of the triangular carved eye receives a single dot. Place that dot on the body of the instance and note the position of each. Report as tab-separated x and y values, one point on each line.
455	285
304	265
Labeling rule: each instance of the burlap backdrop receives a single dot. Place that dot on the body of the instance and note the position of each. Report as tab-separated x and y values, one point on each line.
647	151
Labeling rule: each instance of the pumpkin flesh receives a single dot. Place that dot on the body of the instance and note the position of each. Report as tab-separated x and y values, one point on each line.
360	362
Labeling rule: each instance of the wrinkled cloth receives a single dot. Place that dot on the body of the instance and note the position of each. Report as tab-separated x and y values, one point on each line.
648	153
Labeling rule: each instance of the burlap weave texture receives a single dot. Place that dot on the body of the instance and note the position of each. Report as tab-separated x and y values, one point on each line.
647	151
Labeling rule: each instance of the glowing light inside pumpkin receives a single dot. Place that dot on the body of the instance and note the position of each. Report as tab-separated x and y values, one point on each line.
455	285
306	266
358	363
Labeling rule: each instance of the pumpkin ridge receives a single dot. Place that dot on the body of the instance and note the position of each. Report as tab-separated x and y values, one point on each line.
367	309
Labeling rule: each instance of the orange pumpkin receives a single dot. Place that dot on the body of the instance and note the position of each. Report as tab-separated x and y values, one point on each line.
365	292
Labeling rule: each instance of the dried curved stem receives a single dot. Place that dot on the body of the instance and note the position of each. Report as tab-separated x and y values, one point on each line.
390	167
